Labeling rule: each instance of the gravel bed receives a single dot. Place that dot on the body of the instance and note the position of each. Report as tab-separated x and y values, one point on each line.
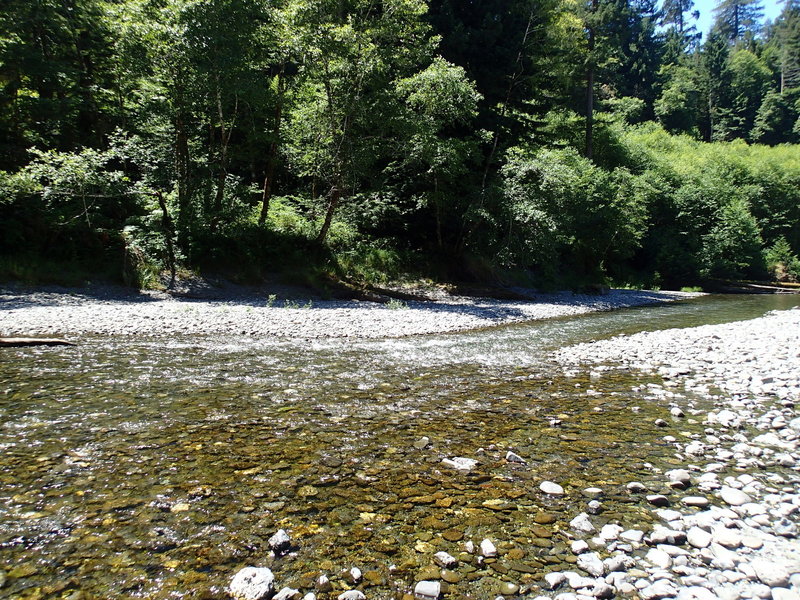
729	511
115	311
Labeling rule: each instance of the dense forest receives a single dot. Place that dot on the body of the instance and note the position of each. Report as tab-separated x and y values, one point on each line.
555	141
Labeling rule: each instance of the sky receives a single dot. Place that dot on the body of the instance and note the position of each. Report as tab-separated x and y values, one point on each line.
706	7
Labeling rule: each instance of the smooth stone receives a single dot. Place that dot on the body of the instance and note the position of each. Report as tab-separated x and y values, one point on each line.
593	491
422	443
771	573
695	592
658	500
508	588
681	476
663	588
602	590
351	595
428	590
784	594
734	497
453	535
697	501
553	489
355	575
636	487
699	538
252	583
658	558
323	584
632	535
544	518
727	537
450	576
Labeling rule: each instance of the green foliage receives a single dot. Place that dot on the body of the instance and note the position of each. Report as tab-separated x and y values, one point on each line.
782	263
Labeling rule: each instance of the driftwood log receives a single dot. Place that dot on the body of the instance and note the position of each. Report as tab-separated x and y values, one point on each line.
17	342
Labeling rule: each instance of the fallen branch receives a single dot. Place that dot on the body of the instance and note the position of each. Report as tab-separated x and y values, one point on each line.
18	342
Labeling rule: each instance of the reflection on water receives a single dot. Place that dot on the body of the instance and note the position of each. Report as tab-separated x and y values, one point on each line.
139	468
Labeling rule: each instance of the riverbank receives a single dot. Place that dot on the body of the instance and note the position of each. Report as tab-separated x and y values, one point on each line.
730	509
117	311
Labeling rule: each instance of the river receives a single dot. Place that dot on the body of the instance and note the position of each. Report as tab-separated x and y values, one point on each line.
157	468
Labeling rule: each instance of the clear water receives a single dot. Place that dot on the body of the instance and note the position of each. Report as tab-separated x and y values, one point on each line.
153	468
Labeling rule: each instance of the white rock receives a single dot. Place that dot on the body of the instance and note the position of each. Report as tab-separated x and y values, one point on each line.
663	588
632	535
280	541
554	580
610	532
252	583
695	592
771	573
591	563
515	458
582	524
658	558
734	497
699	538
784	594
286	594
460	463
488	549
355	574
553	489
428	590
727	537
579	547
445	560
351	595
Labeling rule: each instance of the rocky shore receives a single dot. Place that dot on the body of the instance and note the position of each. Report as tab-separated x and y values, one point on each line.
116	311
729	513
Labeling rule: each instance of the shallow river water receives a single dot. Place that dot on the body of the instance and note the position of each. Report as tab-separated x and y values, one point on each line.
157	468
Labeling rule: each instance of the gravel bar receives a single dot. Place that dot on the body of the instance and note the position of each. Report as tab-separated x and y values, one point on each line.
112	311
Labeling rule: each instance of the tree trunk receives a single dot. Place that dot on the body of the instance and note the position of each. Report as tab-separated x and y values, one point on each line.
590	88
169	232
336	194
272	156
182	169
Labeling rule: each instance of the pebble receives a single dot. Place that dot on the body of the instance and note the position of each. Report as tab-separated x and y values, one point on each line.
515	458
697	501
280	541
352	595
699	538
582	524
591	563
488	549
733	497
461	463
553	489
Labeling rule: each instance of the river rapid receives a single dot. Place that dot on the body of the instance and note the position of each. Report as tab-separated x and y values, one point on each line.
158	467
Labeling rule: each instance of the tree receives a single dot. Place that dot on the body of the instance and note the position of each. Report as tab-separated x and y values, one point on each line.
678	107
354	50
738	19
440	99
